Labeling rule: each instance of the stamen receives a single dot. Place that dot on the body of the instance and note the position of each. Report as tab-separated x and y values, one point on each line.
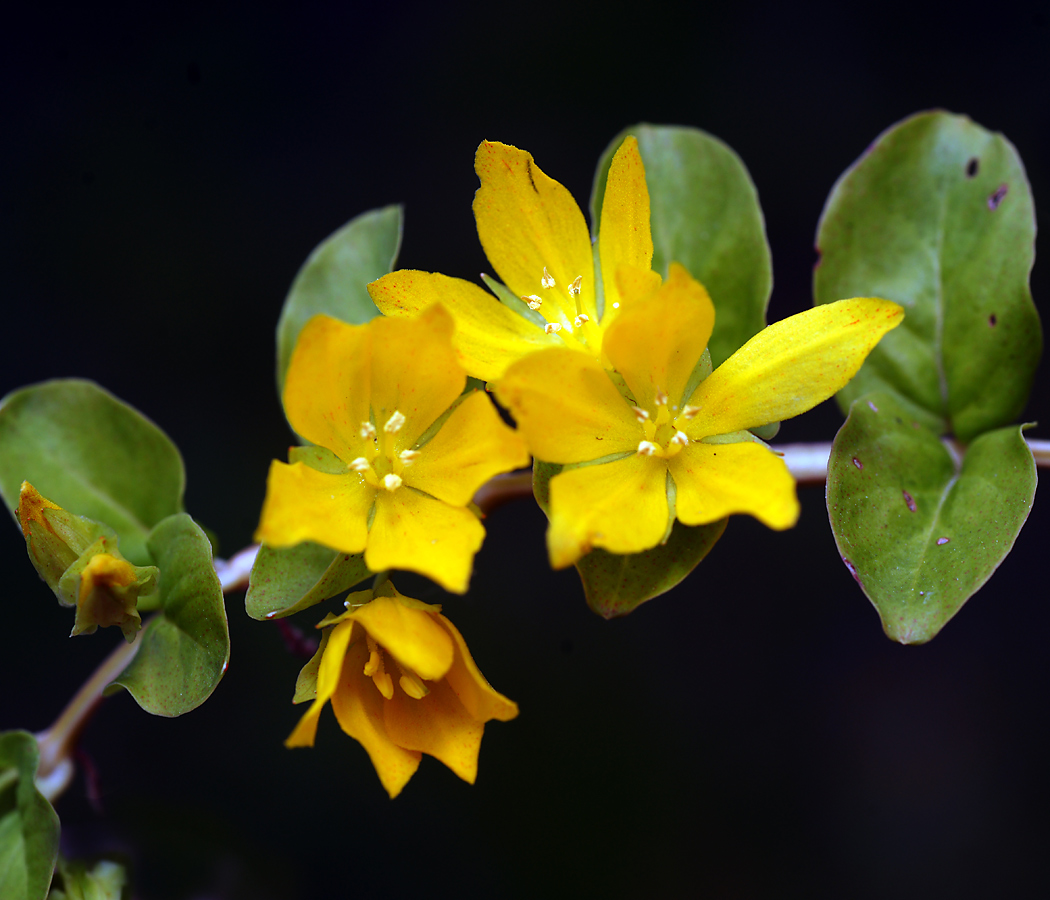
551	328
360	465
375	670
413	685
647	448
407	456
680	438
690	411
547	280
533	301
368	430
580	319
394	423
616	305
391	481
661	398
640	414
576	286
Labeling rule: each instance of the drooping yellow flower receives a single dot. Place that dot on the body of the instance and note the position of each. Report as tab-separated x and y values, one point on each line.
654	445
402	683
537	240
398	478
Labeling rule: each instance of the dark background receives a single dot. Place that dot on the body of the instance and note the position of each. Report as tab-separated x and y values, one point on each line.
163	174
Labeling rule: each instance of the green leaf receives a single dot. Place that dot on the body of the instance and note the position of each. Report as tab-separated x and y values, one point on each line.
105	881
617	584
705	215
920	531
937	216
184	650
334	276
29	827
93	455
291	579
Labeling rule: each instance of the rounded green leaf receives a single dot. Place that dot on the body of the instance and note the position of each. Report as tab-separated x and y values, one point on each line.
185	648
937	216
616	584
94	456
291	579
105	880
29	827
333	278
920	530
705	215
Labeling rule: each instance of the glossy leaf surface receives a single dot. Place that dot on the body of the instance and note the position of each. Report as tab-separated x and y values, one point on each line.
285	581
937	216
705	215
94	456
334	276
616	584
920	531
184	650
29	827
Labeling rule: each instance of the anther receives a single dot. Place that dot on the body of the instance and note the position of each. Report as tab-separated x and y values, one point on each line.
532	301
547	280
368	430
680	438
690	411
640	414
580	319
647	448
413	685
661	398
551	328
394	423
360	465
576	286
391	481
407	456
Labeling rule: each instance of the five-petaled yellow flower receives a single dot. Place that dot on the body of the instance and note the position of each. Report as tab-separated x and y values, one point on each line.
654	445
395	479
536	239
402	682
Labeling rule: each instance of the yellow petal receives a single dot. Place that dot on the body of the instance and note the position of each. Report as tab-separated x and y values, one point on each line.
567	407
326	389
621	506
713	481
415	532
528	222
656	343
791	366
328	674
410	635
358	707
303	504
415	371
437	724
488	337
478	697
624	238
473	445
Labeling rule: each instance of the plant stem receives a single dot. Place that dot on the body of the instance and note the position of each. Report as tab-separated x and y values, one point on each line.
502	489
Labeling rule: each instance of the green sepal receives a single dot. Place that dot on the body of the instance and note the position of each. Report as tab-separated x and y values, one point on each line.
920	530
287	580
616	584
106	880
333	278
513	302
320	458
29	826
90	453
184	649
937	216
306	683
704	214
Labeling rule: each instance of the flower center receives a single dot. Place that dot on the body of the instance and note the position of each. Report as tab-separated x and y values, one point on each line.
383	464
663	435
564	315
375	668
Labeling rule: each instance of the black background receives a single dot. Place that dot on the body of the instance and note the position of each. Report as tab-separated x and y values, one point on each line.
752	733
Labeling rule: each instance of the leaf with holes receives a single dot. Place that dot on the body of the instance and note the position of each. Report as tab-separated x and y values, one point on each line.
184	650
333	278
94	456
937	215
616	584
921	531
704	214
29	827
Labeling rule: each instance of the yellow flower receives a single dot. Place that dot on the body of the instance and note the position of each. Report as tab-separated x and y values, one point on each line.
537	240
665	446
398	477
402	683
